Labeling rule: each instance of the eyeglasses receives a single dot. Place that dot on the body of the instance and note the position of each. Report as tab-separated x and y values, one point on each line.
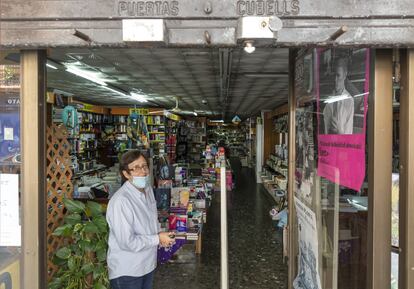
136	169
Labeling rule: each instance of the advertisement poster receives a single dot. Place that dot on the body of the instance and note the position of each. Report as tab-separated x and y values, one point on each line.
342	92
308	268
10	230
9	126
305	128
305	159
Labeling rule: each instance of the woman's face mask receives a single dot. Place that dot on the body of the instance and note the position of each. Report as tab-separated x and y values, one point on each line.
140	182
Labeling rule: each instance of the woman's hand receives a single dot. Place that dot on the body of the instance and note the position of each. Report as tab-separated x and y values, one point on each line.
165	239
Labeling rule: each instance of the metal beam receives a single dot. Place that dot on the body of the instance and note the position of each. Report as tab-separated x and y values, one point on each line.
379	173
225	64
187	33
292	225
406	259
115	9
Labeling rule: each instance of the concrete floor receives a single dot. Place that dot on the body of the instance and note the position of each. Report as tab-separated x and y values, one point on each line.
255	247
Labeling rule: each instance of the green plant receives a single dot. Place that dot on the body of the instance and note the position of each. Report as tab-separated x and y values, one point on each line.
82	261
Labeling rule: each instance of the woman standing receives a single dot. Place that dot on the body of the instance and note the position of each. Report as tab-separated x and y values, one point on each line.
133	227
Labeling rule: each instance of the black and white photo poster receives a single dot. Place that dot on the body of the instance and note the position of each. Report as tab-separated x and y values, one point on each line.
308	268
342	90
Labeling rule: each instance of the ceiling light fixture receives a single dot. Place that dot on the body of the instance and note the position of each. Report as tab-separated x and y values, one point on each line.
217	120
195	114
249	46
51	66
133	95
138	97
85	74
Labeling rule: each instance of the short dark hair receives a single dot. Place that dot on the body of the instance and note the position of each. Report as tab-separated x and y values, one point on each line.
127	158
342	62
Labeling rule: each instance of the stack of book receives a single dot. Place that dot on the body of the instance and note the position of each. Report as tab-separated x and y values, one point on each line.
192	234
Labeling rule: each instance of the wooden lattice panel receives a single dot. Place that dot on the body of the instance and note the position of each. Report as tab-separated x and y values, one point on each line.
59	185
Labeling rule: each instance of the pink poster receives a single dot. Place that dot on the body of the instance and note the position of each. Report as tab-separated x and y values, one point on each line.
342	92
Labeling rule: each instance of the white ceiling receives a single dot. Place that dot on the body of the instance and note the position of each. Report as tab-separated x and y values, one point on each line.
190	74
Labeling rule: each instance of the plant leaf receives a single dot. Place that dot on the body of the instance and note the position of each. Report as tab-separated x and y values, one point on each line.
64	253
91	228
94	208
65	231
86	245
87	268
99	285
58	261
73	219
71	263
74	206
101	223
101	253
56	283
98	270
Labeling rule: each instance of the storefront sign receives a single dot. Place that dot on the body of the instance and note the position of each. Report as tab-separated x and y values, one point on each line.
85	107
268	8
148	8
9	125
140	111
13	101
308	267
10	231
243	8
9	101
342	92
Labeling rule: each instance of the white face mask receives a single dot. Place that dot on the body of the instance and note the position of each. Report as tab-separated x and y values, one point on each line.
140	182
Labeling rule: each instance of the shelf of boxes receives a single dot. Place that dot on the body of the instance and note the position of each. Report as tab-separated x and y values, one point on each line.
156	132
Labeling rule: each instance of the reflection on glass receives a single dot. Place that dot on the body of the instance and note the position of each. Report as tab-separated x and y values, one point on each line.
331	164
394	270
10	229
395	210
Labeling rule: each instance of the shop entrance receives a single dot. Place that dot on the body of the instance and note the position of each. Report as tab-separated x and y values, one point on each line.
180	105
94	26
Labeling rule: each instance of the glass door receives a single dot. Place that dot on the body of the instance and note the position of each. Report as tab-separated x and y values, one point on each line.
331	184
10	165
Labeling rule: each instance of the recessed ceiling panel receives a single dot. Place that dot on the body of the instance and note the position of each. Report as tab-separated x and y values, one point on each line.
249	82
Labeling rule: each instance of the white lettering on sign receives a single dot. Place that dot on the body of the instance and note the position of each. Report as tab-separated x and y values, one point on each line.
13	101
148	8
268	8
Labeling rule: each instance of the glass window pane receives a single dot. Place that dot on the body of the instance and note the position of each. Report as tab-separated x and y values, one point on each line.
331	187
10	228
394	270
396	153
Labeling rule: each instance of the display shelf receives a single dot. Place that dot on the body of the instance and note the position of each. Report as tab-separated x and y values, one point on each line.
86	172
269	191
275	171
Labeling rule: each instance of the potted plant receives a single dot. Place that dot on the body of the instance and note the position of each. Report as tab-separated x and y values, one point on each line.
82	259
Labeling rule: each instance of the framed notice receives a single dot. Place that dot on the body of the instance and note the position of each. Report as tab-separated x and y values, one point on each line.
10	231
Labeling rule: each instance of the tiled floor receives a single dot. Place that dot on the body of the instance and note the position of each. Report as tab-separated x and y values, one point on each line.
255	247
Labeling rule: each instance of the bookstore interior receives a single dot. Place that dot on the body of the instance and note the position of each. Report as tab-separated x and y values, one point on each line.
102	103
94	115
